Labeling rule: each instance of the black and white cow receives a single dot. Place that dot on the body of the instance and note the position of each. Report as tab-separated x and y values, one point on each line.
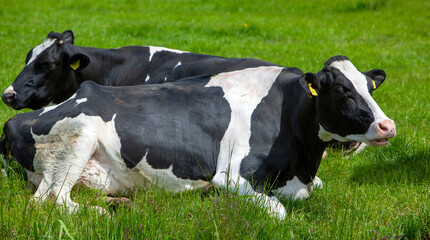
247	129
55	69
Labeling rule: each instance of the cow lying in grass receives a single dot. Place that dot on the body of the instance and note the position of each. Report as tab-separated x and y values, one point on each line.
55	69
245	130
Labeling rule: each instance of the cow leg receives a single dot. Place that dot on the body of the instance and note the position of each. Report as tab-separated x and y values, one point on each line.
57	184
62	170
244	188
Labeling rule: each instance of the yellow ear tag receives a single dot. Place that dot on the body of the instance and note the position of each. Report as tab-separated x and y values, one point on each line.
75	64
313	92
374	85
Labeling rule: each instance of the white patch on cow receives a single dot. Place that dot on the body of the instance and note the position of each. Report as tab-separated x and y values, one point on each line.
52	107
165	79
105	169
177	65
166	178
153	50
9	89
359	82
40	48
297	190
243	90
327	136
147	78
81	100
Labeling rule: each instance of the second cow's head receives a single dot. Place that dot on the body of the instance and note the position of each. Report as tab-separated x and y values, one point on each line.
49	68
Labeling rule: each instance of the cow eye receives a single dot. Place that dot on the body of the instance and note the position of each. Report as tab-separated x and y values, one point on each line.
341	92
45	65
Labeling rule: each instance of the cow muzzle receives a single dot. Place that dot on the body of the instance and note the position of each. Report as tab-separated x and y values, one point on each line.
8	97
384	131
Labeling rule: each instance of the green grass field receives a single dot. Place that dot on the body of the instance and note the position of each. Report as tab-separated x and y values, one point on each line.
379	194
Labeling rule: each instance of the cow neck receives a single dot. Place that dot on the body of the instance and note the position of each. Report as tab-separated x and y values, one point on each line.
102	62
308	147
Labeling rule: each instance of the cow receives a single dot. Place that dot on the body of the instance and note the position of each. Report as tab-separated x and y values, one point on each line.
55	69
259	132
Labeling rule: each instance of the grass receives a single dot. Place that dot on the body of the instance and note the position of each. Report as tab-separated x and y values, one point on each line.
378	194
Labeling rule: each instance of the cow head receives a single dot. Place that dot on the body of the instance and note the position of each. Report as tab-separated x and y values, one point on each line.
49	69
344	104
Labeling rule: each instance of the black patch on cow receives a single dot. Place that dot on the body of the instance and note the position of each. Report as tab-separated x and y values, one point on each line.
283	143
17	139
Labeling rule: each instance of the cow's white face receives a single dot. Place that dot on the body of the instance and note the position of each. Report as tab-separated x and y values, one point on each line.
351	112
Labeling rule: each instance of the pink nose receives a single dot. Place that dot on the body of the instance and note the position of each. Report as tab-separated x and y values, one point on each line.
8	97
386	128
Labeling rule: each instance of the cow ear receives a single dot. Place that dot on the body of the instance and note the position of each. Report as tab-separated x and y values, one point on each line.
377	76
310	83
78	61
68	36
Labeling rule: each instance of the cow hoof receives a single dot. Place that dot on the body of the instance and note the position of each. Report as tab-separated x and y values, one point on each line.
117	200
100	210
114	203
302	194
317	183
279	211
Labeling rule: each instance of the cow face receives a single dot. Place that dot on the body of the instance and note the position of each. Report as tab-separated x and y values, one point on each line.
49	69
344	103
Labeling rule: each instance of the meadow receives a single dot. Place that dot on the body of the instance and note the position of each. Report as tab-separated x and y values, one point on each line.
380	193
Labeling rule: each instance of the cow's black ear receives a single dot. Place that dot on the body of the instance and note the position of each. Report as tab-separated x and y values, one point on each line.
78	61
378	76
68	36
310	83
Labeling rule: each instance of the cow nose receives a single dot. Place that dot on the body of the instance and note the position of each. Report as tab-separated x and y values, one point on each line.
8	97
386	128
